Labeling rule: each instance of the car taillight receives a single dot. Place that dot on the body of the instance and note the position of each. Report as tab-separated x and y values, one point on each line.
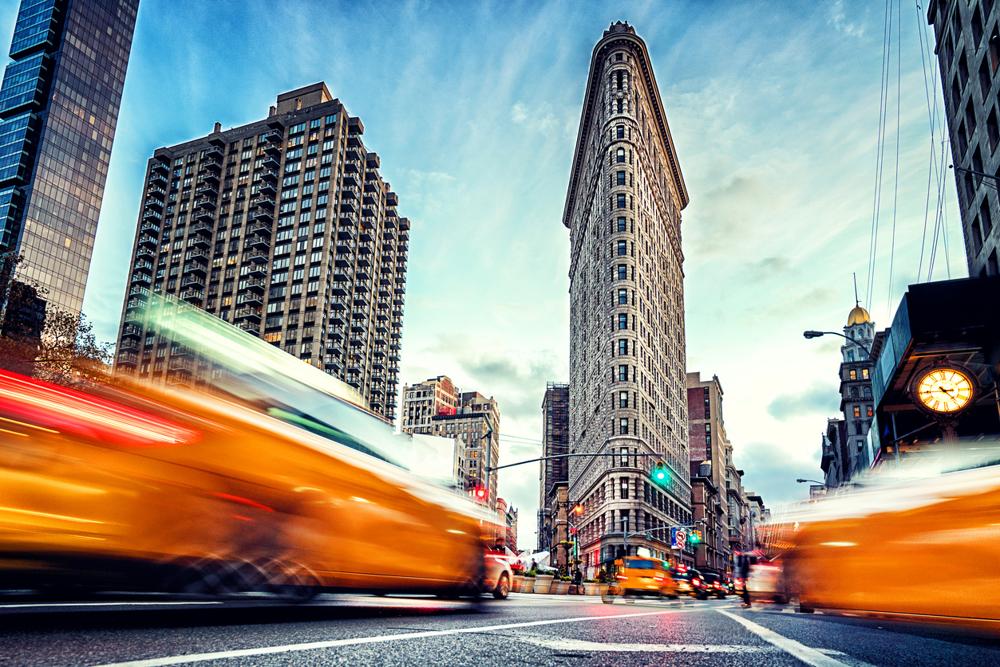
621	577
697	582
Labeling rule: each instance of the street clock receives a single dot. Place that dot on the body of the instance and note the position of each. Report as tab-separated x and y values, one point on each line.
944	390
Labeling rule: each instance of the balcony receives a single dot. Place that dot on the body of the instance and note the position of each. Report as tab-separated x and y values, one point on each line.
248	313
271	162
267	187
249	326
196	267
340	288
251	298
150	214
148	240
258	243
153	203
265	213
268	175
205	214
128	359
180	363
210	165
193	296
255	284
141	278
255	265
213	152
347	233
207	191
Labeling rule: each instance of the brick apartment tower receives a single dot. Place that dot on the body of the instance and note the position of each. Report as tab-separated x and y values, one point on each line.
284	228
627	351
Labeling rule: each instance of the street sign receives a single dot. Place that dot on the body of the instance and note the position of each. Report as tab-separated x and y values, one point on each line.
678	538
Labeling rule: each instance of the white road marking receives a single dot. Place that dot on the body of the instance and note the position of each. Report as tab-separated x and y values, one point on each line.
594	647
808	655
334	643
61	605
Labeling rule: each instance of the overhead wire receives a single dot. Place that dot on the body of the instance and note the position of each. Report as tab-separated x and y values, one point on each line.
895	179
879	151
932	110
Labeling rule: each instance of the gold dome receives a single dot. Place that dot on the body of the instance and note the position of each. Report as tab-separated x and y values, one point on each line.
858	316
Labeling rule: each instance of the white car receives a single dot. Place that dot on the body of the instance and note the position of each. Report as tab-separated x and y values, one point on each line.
498	573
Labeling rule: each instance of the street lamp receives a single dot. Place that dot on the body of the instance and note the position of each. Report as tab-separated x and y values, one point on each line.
980	174
811	481
817	334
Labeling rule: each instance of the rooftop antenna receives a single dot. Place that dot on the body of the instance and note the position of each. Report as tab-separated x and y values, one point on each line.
857	302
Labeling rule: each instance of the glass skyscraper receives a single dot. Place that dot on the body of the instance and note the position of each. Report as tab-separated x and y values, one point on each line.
58	111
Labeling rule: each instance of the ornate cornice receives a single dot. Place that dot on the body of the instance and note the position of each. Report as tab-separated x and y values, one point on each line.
617	35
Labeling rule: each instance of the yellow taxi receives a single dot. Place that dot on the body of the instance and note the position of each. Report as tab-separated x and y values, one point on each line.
640	576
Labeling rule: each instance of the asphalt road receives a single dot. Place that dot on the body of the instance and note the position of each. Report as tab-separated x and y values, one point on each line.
524	630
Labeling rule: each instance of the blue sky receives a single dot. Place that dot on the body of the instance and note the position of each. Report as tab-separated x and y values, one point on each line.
474	110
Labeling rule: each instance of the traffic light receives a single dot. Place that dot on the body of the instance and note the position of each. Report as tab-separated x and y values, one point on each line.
480	494
660	474
578	509
694	537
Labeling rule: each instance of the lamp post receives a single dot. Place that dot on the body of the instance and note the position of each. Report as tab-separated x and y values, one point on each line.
811	481
980	174
817	334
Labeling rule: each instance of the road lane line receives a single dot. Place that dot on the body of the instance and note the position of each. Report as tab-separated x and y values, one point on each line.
808	655
61	605
334	643
594	647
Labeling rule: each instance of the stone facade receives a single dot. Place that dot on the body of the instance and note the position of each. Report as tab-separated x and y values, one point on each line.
437	407
283	228
968	49
627	348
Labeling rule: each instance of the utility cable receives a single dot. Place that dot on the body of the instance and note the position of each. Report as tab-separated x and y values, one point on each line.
879	152
895	178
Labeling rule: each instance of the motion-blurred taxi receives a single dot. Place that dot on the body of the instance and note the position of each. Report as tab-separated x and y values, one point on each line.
641	576
280	481
689	581
919	539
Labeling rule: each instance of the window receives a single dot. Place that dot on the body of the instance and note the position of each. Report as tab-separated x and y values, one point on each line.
992	131
620	156
623	426
622	297
621	225
864	373
620	200
622	248
620	178
622	272
985	217
622	373
622	347
622	321
624	483
853	374
870	412
623	399
857	411
620	131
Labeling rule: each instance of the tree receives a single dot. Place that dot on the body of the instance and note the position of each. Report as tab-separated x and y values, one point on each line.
42	340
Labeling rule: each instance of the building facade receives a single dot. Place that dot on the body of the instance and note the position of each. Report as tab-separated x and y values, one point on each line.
707	448
856	390
58	112
424	401
437	407
555	441
835	458
968	49
627	347
284	228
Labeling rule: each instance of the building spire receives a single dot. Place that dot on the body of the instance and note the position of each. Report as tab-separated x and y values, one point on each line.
857	301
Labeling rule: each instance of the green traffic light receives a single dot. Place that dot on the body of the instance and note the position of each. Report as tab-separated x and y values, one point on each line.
661	475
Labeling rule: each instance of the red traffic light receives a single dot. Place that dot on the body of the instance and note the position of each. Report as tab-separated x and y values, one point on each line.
480	493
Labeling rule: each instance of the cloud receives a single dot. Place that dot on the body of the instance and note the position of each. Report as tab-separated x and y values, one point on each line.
820	399
838	19
770	471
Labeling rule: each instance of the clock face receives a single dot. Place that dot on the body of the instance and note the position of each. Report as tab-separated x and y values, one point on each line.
944	390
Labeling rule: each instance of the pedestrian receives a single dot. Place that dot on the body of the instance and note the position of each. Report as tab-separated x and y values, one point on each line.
534	566
743	572
578	579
